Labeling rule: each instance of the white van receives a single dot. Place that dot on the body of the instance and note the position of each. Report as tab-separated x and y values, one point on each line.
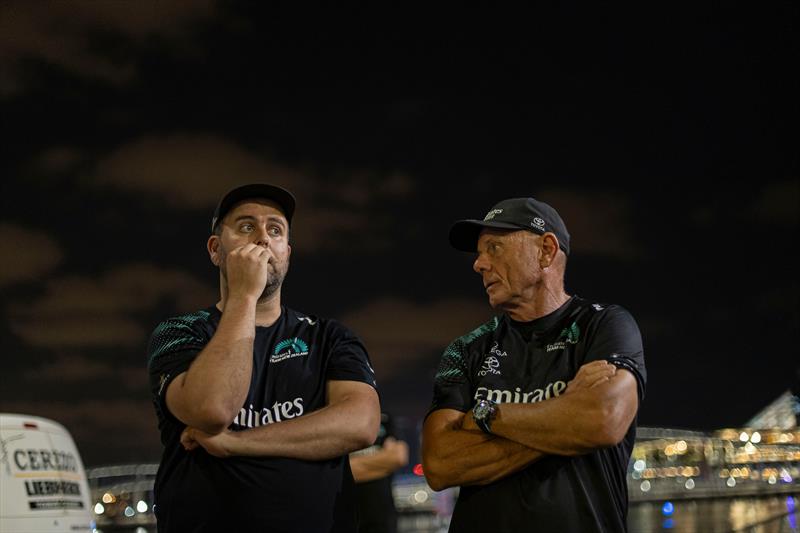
43	484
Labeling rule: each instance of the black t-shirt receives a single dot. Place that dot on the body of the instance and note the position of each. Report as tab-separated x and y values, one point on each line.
292	361
513	362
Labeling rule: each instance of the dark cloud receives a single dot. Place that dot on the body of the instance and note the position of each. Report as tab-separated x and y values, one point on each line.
81	311
189	171
60	34
778	203
398	332
599	222
31	254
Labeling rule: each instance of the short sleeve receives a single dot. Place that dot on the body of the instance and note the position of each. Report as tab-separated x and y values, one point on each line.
173	346
616	338
348	360
451	387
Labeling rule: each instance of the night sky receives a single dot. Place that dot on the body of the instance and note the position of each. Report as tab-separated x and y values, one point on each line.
666	140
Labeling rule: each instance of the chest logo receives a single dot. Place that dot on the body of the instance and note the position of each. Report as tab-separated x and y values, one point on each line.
569	335
288	348
491	364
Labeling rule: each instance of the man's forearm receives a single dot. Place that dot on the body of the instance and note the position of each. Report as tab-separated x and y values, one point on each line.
213	389
332	431
371	466
456	456
572	424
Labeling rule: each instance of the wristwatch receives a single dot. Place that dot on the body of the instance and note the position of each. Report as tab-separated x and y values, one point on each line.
483	413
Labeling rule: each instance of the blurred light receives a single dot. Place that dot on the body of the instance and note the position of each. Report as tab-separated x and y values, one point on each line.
420	496
756	438
639	465
108	498
680	446
140	529
645	486
129	511
667	509
749	448
668	523
743	436
785	477
689	484
772	480
418	471
98	508
141	506
731	482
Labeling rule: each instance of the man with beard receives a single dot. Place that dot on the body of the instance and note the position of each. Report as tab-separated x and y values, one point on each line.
258	405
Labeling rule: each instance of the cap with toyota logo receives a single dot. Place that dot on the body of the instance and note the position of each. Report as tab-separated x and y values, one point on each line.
512	214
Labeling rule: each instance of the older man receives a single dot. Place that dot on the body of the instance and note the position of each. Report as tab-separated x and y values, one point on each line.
533	413
258	404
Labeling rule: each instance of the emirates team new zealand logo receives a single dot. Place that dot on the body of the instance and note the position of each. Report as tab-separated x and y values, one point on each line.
288	348
570	335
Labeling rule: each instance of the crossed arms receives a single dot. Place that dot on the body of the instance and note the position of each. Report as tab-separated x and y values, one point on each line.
210	393
595	411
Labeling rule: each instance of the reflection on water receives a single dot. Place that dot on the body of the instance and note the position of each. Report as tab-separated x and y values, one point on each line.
774	514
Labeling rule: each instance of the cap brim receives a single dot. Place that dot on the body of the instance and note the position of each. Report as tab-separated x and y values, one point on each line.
464	233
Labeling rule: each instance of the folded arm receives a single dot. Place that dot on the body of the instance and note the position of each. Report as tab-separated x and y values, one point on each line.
594	412
347	423
452	455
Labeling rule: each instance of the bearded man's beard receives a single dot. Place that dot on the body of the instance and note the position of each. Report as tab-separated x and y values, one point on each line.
273	284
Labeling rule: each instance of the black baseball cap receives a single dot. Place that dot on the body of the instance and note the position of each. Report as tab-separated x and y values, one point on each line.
512	214
280	196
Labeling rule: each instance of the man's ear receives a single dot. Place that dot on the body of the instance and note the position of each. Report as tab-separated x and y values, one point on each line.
549	249
213	245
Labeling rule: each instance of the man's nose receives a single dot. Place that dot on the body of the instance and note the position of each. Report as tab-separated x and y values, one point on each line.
262	237
481	264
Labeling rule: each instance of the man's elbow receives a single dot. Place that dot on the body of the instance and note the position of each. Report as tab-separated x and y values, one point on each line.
436	477
365	430
609	429
438	473
211	419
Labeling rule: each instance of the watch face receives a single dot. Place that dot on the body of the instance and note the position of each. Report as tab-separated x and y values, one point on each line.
481	410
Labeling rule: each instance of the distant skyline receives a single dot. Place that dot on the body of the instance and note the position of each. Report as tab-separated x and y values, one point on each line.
668	148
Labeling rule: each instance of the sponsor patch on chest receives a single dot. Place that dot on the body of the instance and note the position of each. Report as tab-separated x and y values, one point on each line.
289	348
569	335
